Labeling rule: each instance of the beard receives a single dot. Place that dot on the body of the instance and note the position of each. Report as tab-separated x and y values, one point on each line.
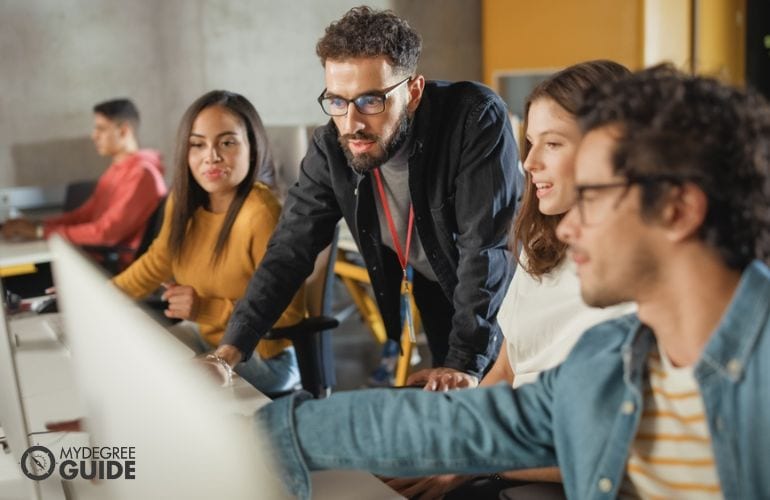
365	162
613	284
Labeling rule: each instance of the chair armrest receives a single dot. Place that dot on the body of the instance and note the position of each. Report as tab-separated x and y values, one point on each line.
105	250
304	327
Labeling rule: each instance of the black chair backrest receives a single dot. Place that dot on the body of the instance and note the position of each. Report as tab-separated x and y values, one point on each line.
312	337
77	193
153	228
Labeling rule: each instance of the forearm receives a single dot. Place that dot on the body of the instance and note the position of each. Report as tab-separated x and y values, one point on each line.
484	276
543	474
306	227
405	433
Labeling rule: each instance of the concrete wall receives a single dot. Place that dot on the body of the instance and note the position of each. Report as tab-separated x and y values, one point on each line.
59	57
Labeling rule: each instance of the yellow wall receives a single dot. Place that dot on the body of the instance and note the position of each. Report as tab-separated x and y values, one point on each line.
551	34
720	47
526	34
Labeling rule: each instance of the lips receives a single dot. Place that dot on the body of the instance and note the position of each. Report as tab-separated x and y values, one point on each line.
578	257
215	173
543	188
361	146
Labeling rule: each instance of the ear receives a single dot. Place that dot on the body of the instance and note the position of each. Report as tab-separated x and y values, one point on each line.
685	212
124	129
416	87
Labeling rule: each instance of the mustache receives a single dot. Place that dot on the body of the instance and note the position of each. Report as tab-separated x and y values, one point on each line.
359	136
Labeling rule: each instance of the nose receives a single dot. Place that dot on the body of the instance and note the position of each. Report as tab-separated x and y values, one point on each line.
532	161
353	121
213	154
568	229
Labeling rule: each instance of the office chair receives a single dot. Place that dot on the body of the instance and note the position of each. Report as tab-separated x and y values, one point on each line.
111	256
312	336
77	193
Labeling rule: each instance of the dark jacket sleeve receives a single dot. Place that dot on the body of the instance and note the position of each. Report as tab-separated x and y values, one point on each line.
485	201
306	227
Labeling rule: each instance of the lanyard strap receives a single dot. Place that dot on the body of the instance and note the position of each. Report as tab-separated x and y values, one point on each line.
403	257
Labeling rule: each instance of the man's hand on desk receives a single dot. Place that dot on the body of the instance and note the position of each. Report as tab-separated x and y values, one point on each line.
20	229
442	379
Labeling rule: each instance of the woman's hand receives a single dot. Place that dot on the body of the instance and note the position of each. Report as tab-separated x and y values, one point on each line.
182	300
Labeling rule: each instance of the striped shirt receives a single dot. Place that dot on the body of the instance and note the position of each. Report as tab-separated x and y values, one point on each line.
671	456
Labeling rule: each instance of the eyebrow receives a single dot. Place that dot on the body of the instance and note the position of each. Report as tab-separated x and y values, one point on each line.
366	92
546	132
227	132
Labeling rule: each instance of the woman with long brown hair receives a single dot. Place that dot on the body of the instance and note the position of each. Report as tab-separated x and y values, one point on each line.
542	315
216	226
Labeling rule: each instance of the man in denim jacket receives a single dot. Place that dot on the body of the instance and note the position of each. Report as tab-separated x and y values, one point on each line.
673	212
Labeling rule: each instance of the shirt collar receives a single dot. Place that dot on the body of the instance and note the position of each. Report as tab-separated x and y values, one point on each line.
729	348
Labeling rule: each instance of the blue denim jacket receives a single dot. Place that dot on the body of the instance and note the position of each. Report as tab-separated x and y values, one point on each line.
585	412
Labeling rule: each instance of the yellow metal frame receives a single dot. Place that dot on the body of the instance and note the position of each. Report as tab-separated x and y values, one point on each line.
356	278
17	270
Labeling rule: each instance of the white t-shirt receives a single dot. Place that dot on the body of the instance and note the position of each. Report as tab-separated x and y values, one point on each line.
542	320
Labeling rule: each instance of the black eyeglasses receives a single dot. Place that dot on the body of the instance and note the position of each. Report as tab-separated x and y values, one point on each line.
371	103
592	213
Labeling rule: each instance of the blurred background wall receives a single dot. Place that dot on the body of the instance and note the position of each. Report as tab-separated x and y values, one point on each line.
59	57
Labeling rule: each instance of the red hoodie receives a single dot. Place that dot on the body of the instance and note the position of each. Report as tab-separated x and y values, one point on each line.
117	211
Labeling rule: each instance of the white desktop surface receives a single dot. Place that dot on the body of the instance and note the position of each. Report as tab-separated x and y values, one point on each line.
49	394
14	253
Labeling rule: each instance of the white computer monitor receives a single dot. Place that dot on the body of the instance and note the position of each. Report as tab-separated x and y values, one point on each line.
12	417
140	389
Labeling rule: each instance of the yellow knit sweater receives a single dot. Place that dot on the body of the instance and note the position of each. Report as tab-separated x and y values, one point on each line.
217	287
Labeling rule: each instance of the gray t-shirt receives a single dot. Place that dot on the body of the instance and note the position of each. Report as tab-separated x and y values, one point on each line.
395	180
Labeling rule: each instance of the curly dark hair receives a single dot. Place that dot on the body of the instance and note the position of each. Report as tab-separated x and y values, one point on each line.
366	32
677	128
534	231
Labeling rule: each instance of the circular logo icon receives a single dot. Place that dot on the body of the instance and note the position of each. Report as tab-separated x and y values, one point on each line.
37	463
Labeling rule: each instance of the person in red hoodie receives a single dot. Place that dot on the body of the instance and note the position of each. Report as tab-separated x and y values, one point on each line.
125	196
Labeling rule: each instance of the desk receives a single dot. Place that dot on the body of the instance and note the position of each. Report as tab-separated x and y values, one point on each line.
49	394
14	253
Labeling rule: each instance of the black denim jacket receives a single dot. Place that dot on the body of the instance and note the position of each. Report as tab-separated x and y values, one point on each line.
464	184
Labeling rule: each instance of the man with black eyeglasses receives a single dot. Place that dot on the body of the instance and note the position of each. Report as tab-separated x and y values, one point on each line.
425	175
673	190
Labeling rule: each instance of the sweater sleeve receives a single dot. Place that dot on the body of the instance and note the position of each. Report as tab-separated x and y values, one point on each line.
152	268
130	207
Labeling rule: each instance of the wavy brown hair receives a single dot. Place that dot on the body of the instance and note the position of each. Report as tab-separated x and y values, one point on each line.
533	231
189	195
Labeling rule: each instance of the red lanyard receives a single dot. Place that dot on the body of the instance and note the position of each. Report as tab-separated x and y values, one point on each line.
403	257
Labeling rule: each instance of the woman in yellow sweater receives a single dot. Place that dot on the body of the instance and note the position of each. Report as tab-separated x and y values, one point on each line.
217	223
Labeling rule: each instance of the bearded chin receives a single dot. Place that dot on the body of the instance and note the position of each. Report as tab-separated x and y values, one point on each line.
365	162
